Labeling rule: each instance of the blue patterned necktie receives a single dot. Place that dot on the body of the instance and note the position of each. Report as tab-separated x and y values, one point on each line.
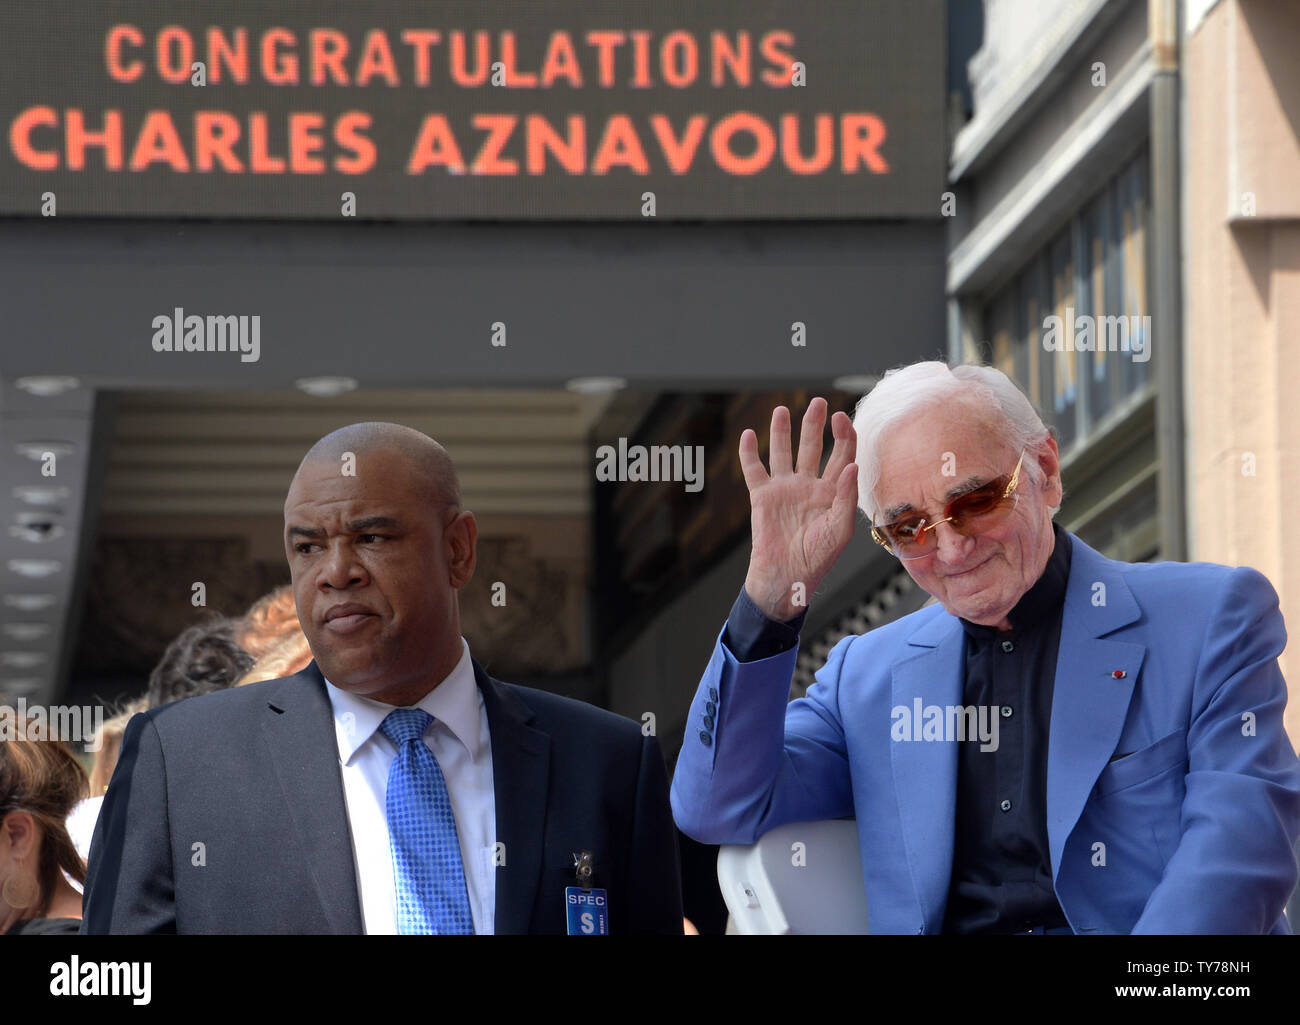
427	870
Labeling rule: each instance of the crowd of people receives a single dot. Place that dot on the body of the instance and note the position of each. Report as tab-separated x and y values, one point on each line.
374	821
49	804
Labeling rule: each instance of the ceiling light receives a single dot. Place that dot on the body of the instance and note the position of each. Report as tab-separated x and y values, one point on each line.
34	567
855	384
35	519
596	385
23	659
26	631
36	449
326	387
31	602
36	533
41	494
38	527
46	386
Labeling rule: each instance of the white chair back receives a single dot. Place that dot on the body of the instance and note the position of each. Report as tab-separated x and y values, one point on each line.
801	878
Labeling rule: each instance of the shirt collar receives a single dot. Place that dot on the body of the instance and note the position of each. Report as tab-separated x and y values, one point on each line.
1037	605
455	702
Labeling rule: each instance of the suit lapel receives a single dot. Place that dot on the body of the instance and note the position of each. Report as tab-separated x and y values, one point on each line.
1089	704
521	758
298	729
925	774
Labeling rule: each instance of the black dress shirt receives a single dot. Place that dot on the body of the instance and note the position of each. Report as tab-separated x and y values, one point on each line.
1002	866
1001	872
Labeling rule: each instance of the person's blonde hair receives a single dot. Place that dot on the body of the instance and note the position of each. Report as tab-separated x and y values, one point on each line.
110	746
290	656
268	622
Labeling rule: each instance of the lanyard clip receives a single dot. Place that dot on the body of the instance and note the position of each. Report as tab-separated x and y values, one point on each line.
584	867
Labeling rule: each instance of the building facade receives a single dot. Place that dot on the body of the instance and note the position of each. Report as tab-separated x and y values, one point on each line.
1125	245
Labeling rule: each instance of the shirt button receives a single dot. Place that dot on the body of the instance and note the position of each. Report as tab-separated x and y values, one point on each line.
710	708
1005	805
713	693
1006	711
1008	647
708	722
706	738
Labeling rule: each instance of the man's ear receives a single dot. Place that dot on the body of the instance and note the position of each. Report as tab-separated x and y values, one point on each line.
1049	461
460	538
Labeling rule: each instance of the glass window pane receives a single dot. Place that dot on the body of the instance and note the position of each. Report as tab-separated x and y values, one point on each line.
1061	385
1007	350
1103	365
1092	279
1134	219
1035	297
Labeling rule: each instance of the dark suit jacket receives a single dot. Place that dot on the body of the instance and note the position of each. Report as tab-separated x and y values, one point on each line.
252	775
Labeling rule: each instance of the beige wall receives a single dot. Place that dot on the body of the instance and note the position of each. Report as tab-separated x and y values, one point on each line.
1242	298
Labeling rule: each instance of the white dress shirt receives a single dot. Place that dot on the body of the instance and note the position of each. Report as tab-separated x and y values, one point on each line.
459	739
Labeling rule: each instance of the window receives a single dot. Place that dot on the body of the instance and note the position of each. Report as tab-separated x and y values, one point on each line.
1091	280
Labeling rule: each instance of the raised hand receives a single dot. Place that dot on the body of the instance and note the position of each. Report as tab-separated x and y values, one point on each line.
800	523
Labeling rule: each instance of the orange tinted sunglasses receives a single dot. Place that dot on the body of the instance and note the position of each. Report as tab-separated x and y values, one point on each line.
970	514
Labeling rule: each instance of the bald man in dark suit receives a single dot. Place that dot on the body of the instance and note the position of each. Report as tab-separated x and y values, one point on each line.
392	785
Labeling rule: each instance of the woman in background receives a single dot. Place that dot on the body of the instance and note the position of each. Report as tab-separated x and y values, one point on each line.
40	783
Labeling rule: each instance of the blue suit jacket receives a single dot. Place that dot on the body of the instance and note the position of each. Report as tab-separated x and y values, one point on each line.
253	773
1180	767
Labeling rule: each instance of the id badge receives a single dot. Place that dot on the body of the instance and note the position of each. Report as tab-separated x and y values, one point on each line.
587	910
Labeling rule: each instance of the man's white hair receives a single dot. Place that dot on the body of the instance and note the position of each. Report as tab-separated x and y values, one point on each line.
904	391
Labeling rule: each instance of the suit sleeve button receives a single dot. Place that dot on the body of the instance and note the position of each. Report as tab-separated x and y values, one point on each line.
706	738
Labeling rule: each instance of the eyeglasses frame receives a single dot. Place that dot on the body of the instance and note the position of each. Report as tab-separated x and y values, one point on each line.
1012	484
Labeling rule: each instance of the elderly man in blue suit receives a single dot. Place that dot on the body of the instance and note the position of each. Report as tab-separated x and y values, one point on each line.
1063	743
